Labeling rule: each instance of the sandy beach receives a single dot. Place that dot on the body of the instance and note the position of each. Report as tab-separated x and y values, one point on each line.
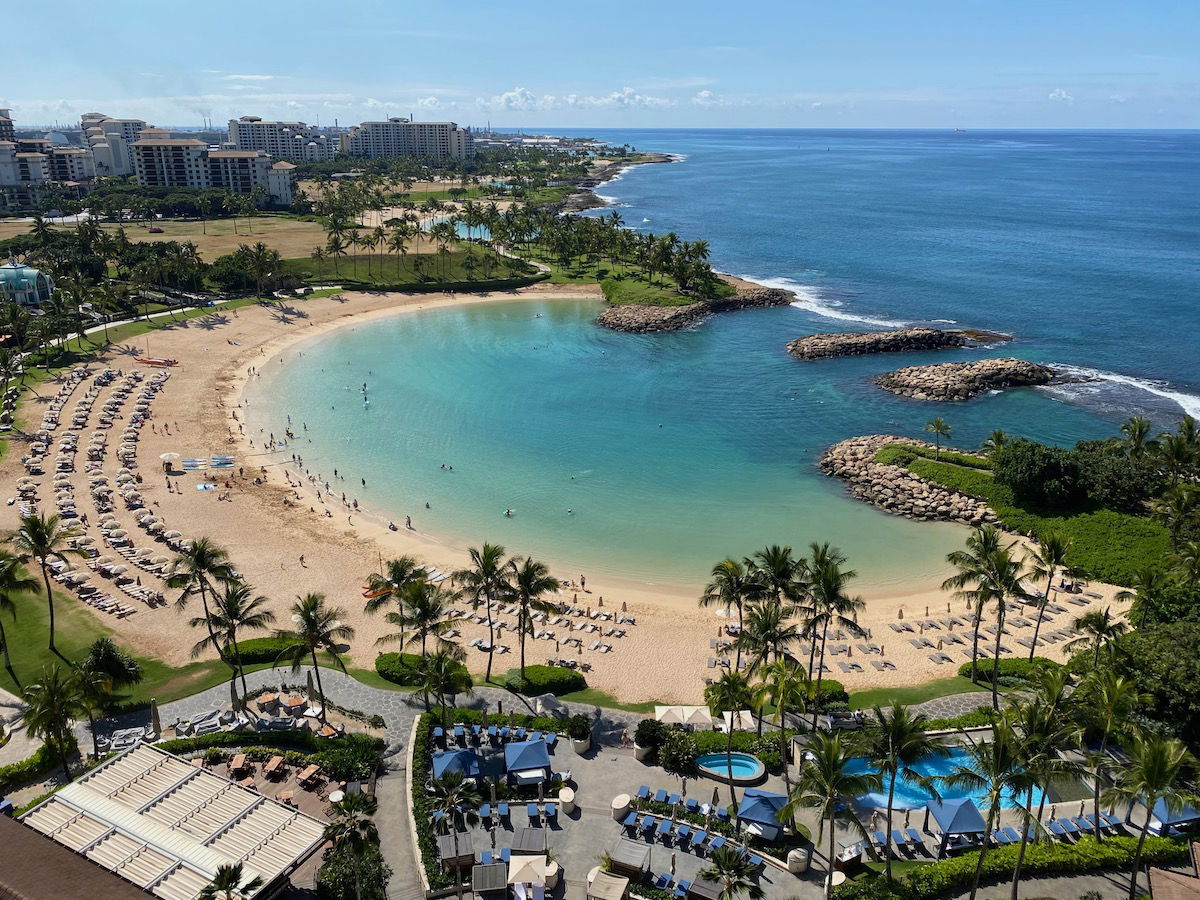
269	526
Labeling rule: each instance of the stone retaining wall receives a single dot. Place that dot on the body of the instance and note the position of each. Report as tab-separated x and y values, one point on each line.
961	381
638	319
859	343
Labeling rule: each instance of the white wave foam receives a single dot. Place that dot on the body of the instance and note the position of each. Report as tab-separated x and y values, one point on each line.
1189	403
945	321
810	300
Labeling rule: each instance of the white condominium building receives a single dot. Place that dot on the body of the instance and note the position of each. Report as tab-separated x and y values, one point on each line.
402	137
164	161
282	140
6	125
22	176
111	141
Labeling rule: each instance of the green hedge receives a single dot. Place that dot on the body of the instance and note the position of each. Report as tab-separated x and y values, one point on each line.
43	761
976	718
891	452
1013	669
956	873
263	650
403	669
545	680
349	757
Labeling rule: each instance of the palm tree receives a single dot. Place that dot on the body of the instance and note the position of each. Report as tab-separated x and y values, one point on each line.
485	581
1100	629
730	693
996	440
731	586
1176	454
531	581
196	571
893	744
996	768
441	674
1006	573
769	633
1155	772
780	575
1175	509
733	872
1185	563
939	428
51	704
104	669
826	784
233	611
829	604
1108	703
427	608
391	585
454	805
43	538
1137	437
784	685
974	583
1047	559
227	884
13	582
318	627
352	829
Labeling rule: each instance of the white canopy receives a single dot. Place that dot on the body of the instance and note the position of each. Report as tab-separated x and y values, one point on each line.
527	870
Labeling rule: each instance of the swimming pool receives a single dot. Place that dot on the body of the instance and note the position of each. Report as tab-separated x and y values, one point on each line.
740	768
910	795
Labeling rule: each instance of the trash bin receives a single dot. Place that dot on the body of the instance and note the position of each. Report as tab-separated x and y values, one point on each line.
799	859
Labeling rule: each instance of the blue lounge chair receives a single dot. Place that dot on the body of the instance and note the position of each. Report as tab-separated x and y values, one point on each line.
1001	838
1113	822
520	732
531	810
438	734
648	824
716	843
698	839
505	732
630	820
660	796
690	804
643	793
485	812
914	838
535	736
551	740
681	833
552	811
723	814
502	809
459	733
673	799
505	855
493	732
898	838
880	840
755	861
476	731
682	888
664	828
1069	827
663	881
437	816
1056	829
485	858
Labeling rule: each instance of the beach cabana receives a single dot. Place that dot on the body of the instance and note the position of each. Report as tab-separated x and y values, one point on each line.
742	720
669	715
490	881
630	858
1165	821
456	851
758	813
604	886
464	761
959	816
698	716
527	762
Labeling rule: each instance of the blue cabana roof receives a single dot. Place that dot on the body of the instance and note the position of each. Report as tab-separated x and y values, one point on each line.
761	806
957	816
520	757
464	761
1182	817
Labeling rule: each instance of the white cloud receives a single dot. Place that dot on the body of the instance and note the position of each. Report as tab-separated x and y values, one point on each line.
627	97
250	77
372	103
707	98
428	102
817	104
1061	96
523	99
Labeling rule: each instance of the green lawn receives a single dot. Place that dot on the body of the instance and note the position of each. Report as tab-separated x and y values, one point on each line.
911	695
1106	544
414	270
597	697
622	284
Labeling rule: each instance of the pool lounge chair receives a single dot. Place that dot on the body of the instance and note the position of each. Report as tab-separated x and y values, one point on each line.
664	829
698	839
681	834
1001	838
485	858
898	838
531	810
690	804
502	810
630	820
716	843
1011	834
663	881
505	854
1056	828
723	814
660	796
673	799
880	840
649	823
682	888
915	838
485	813
643	793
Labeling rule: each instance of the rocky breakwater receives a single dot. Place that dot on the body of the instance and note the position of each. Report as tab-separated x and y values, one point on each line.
961	381
639	319
901	340
896	490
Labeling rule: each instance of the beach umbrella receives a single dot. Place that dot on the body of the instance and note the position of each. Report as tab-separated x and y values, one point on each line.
168	457
118	533
124	471
155	527
143	515
173	534
85	541
119	570
155	721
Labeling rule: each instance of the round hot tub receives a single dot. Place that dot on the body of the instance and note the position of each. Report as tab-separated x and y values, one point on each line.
737	768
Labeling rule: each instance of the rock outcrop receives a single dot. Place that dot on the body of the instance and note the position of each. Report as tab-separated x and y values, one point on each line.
638	319
896	490
961	381
901	340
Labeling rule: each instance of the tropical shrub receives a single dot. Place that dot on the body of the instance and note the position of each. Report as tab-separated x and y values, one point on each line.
579	727
546	680
403	669
345	875
1039	475
44	759
976	718
262	650
677	753
650	733
1011	672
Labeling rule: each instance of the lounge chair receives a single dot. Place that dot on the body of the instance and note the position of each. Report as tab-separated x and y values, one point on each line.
664	829
898	838
716	843
1011	833
1001	838
551	812
649	823
505	854
914	838
723	814
643	793
1056	829
681	834
673	799
660	796
1069	827
663	881
698	839
630	820
682	888
880	840
531	810
690	804
485	858
485	814
502	810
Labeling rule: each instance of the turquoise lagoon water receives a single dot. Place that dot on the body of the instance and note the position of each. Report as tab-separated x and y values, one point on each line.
673	451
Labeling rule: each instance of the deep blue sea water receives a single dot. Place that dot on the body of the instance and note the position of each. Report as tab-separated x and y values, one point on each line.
673	451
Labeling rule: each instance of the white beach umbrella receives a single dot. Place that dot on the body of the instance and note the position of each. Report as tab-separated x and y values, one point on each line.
85	541
119	570
124	471
155	527
118	533
173	534
143	515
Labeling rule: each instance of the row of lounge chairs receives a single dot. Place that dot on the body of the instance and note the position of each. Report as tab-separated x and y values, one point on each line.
497	735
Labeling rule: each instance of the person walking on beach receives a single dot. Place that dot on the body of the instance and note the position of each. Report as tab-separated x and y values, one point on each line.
582	583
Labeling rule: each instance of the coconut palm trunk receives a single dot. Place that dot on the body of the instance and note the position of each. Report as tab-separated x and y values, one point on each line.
991	821
320	687
820	674
49	601
1137	853
491	639
1025	826
729	757
829	880
996	657
1037	626
887	850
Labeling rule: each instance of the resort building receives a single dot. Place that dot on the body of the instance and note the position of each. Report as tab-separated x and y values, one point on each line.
71	164
111	141
166	826
51	870
164	161
6	125
25	285
403	137
281	140
23	176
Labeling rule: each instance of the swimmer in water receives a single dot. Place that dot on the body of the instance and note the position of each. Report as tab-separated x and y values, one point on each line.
508	514
570	512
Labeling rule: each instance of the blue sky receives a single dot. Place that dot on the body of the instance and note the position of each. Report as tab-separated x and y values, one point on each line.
668	63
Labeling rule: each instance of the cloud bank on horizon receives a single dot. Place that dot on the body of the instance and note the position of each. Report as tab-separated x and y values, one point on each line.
1020	63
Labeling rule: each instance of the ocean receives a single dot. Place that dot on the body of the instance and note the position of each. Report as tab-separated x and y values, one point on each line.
653	457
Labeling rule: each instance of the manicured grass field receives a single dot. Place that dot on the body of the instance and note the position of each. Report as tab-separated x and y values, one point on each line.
412	269
913	694
623	284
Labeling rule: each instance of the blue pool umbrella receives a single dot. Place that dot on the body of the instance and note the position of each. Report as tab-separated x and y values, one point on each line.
761	807
956	816
464	761
1185	815
525	756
